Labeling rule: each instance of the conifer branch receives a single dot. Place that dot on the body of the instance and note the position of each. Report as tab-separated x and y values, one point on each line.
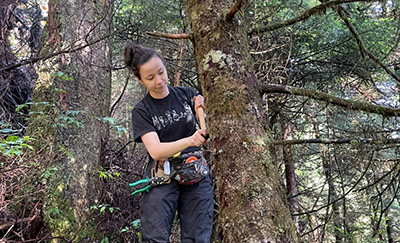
331	99
364	51
51	55
319	9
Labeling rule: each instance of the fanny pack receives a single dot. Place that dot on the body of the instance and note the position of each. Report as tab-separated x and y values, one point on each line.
189	168
186	169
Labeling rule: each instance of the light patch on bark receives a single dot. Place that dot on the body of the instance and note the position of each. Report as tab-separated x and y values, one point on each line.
194	15
60	187
218	57
260	141
45	76
215	57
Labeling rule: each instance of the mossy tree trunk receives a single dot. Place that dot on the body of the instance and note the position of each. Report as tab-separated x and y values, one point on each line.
78	84
252	202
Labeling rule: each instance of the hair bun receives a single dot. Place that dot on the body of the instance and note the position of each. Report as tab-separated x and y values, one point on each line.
136	55
135	47
129	53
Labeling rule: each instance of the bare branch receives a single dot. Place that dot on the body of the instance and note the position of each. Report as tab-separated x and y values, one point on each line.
43	58
171	36
345	194
11	223
390	171
339	141
238	5
120	96
321	96
319	9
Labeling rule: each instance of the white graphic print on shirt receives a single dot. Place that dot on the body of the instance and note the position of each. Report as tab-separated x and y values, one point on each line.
173	116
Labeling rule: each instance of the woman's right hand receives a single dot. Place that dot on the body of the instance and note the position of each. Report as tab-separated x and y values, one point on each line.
198	138
163	150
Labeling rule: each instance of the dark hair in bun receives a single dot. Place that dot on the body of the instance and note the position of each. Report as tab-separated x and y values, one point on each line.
136	55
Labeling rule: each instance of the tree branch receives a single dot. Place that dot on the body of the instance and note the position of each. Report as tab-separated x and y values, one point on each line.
361	46
120	96
390	171
339	141
238	5
11	223
171	36
321	96
319	9
344	195
43	58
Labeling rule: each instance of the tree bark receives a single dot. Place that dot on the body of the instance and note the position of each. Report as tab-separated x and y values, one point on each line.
16	84
332	194
389	227
290	175
79	86
252	203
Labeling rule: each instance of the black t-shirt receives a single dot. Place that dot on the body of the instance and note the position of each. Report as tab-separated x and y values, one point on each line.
172	117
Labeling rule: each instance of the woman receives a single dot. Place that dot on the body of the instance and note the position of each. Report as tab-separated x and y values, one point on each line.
164	121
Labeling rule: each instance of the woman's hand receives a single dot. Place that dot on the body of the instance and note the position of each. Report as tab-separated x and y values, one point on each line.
198	102
163	150
198	138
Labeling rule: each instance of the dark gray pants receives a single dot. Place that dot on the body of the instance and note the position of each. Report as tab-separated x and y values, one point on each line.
195	208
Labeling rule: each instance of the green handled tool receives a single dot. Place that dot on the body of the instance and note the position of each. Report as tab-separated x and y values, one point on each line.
146	188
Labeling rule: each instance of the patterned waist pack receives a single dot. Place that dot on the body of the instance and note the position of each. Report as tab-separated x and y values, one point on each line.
186	169
189	168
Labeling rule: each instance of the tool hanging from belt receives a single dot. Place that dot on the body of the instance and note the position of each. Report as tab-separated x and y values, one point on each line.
159	174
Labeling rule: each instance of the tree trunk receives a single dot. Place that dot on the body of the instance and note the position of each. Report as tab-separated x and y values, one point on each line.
252	203
79	85
290	175
346	229
332	194
15	84
389	227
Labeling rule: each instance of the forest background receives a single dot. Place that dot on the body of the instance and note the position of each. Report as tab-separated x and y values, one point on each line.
302	102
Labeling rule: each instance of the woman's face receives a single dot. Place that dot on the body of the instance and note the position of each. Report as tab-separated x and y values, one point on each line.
153	76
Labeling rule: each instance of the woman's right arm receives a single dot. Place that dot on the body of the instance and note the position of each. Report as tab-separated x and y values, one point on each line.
163	150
